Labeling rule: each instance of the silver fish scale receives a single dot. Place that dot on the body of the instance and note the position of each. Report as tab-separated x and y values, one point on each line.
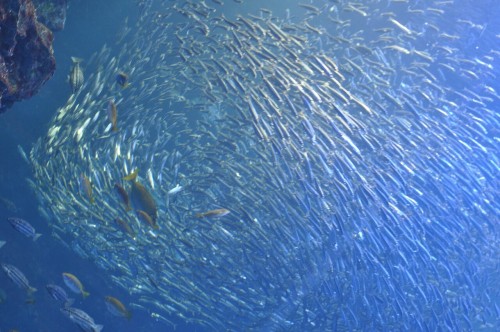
353	170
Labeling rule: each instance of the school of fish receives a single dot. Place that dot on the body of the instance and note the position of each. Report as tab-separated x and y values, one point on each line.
326	166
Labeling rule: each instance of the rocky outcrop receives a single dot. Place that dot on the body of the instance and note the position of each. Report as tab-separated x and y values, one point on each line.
26	55
52	13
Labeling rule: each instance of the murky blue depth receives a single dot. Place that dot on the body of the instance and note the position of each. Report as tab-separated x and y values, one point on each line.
315	166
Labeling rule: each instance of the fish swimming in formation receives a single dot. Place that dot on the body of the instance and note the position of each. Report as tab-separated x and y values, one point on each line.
59	294
141	198
24	227
76	75
117	308
82	319
18	278
217	213
74	284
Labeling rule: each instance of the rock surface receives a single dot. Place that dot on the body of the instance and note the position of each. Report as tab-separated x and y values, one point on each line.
26	55
52	13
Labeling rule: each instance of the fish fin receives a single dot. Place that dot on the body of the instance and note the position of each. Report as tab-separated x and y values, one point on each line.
132	176
76	60
97	328
85	294
37	235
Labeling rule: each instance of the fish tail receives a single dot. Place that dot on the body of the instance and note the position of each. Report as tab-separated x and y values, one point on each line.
115	128
31	290
128	208
76	60
37	235
85	294
92	200
128	314
199	215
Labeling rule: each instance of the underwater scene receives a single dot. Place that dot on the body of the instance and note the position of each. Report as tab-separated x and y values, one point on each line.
237	165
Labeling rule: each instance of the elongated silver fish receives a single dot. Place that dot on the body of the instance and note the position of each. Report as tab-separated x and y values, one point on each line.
24	227
82	319
18	278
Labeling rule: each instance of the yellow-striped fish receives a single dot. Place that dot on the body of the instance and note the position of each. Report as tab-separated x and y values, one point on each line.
74	284
116	307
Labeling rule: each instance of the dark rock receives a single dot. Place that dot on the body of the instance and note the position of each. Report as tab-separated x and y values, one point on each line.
26	55
52	13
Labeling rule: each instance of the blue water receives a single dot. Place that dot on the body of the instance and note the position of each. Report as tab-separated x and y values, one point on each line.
90	24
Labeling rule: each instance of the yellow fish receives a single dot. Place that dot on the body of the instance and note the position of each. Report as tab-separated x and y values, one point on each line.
74	284
147	218
123	196
116	307
86	187
141	198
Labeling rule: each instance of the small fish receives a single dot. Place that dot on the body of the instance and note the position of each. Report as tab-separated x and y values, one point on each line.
123	196
74	284
112	115
174	190
9	205
59	294
217	213
23	154
116	307
24	227
18	278
125	227
147	218
82	319
86	187
122	79
76	75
